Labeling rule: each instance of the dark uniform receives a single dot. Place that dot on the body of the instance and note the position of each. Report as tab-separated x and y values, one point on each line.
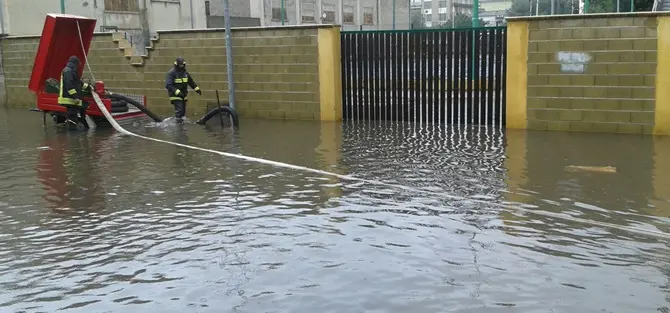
177	82
71	91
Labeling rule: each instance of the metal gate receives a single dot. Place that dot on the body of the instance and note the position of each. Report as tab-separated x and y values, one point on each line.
452	76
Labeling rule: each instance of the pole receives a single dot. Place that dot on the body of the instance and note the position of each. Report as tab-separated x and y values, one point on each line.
475	54
394	13
475	13
586	6
229	54
632	5
62	6
282	12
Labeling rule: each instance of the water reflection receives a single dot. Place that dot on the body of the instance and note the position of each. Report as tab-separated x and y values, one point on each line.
67	169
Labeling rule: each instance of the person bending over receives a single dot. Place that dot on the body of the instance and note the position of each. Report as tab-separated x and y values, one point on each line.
70	93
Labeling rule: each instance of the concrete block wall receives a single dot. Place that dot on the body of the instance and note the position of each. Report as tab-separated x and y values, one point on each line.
280	73
585	73
276	70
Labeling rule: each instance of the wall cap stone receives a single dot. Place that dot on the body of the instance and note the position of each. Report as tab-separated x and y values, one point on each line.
586	16
289	27
96	34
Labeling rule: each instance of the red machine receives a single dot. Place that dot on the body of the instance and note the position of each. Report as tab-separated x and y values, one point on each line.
60	40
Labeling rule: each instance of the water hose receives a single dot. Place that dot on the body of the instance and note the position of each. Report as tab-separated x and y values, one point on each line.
508	207
116	96
220	110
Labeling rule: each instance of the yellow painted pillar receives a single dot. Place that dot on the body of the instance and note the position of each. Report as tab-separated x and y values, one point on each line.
330	73
517	74
662	116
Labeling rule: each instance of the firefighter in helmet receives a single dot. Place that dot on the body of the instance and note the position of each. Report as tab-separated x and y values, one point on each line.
70	93
177	82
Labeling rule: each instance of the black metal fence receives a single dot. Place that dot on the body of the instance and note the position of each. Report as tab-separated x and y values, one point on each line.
453	76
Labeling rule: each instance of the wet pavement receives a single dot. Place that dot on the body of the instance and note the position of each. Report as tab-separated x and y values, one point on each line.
509	221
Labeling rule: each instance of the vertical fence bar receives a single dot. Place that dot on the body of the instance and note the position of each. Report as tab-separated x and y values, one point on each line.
452	69
423	80
368	73
483	75
353	49
503	79
383	57
346	114
372	63
470	103
430	55
396	75
390	55
498	75
462	79
407	75
443	76
378	77
490	77
360	61
437	60
415	102
477	114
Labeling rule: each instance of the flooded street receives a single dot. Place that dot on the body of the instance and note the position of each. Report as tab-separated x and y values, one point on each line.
490	221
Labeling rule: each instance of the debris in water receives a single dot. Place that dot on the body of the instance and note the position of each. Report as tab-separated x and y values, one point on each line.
596	169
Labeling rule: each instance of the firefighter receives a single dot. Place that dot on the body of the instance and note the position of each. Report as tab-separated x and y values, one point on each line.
177	82
71	92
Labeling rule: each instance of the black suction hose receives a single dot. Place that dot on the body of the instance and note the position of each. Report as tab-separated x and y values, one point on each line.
220	110
136	104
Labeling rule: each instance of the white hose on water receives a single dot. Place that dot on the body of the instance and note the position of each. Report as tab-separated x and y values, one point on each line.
518	207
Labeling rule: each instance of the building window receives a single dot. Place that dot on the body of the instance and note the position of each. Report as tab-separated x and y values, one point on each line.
348	14
329	11
443	17
443	3
122	5
308	12
277	12
368	16
429	17
428	5
207	12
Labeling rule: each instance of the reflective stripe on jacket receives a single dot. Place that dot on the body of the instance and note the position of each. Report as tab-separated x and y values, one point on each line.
177	83
70	85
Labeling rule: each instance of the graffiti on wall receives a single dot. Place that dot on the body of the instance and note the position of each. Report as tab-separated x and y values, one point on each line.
573	62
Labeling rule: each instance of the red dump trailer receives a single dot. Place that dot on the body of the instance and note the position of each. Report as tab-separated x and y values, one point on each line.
65	35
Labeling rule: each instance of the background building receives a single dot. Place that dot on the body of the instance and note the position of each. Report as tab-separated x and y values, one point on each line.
351	14
141	18
438	12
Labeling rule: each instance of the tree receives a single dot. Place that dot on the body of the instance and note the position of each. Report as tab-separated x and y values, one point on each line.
417	20
461	20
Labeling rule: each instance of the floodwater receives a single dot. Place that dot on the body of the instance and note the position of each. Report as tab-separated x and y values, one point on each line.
96	222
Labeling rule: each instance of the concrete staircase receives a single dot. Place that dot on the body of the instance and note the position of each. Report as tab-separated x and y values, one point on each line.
129	51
